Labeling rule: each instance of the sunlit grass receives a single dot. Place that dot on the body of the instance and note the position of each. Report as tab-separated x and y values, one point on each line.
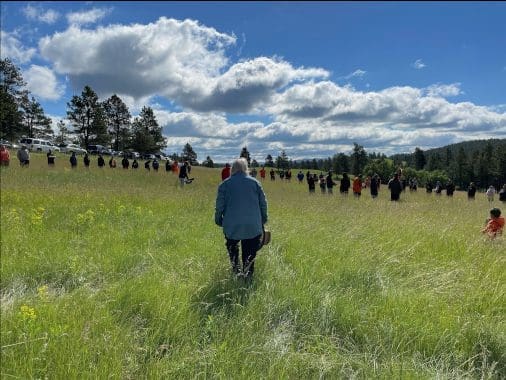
113	273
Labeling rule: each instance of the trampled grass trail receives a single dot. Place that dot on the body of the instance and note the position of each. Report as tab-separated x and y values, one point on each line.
121	274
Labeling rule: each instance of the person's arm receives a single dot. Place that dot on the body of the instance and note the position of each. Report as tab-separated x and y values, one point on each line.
263	204
220	206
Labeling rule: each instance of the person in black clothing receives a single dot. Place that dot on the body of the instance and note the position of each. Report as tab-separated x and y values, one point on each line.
50	158
450	188
311	179
273	175
183	174
135	164
374	186
73	160
125	163
86	160
502	194
146	165
395	187
345	184
428	187
155	165
167	166
101	161
330	182
471	191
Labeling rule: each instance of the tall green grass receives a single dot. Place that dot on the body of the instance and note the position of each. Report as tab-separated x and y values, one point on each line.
122	274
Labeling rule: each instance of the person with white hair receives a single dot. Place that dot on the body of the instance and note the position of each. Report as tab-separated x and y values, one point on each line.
241	209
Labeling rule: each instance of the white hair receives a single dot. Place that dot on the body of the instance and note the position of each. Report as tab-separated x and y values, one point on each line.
240	165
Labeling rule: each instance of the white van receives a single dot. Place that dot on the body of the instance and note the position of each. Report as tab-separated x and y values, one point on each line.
38	145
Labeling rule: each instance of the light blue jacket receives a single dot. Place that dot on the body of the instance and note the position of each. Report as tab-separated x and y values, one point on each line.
241	208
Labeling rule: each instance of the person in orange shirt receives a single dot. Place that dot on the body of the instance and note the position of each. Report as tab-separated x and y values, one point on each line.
262	173
5	156
495	224
357	186
175	167
225	173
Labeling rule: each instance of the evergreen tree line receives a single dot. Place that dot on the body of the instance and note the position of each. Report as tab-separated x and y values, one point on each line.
485	165
106	123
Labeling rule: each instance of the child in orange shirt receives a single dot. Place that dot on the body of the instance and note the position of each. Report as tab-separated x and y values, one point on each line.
495	224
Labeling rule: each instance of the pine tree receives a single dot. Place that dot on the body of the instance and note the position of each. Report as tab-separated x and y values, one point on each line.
189	154
268	161
82	112
147	134
420	160
35	122
12	94
358	159
118	121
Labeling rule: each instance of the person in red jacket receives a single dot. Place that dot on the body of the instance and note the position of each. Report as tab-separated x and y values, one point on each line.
495	224
5	156
357	186
225	173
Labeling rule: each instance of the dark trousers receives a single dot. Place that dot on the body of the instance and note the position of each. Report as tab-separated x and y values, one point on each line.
249	249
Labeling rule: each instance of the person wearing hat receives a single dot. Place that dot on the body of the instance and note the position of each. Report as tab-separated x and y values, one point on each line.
241	209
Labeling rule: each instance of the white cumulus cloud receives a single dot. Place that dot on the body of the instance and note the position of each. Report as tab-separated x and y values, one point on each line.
11	47
42	82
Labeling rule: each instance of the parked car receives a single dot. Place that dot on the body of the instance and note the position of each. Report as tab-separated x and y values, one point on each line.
69	148
38	145
9	144
99	149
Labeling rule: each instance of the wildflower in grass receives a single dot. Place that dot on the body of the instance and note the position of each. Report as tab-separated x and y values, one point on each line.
42	291
27	313
87	217
37	216
121	208
13	216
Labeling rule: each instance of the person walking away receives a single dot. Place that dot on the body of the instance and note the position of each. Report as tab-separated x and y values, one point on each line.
490	193
5	156
147	165
502	194
86	160
167	166
225	172
450	188
273	175
73	160
112	162
241	209
323	184
495	224
439	188
300	176
50	158
357	186
262	173
374	186
395	187
330	182
344	187
100	161
155	165
311	181
23	156
471	191
135	164
125	164
428	187
183	174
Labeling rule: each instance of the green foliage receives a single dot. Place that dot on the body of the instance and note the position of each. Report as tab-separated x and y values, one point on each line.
189	154
122	274
118	120
35	122
147	134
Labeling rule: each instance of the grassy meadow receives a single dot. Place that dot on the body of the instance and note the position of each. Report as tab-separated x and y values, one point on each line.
121	274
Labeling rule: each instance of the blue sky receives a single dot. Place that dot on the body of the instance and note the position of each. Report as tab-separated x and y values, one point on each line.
307	77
